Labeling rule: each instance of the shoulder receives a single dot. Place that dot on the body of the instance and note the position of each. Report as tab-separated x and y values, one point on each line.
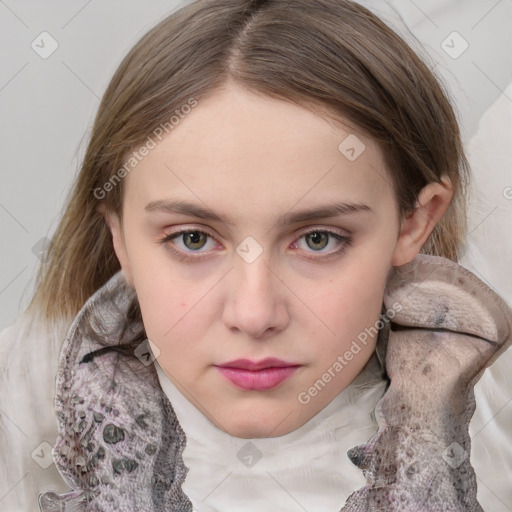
28	427
491	435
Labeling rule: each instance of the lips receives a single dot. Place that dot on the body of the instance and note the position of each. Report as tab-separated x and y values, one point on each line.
257	375
247	364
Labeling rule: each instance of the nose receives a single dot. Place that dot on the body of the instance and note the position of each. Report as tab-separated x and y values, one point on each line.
256	300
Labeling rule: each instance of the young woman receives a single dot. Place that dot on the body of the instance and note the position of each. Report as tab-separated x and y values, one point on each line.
238	275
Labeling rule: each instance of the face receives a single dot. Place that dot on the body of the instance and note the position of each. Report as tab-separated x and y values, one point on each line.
220	239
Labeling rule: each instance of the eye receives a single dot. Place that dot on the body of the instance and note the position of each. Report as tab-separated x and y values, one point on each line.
190	241
319	239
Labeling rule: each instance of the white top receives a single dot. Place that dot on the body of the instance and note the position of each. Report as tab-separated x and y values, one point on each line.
307	469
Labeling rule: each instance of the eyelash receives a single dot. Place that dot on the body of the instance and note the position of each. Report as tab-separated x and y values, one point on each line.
344	240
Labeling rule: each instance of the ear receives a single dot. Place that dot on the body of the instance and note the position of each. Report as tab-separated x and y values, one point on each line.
433	201
114	223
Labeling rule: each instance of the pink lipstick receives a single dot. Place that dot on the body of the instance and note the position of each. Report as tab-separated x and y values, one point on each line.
257	376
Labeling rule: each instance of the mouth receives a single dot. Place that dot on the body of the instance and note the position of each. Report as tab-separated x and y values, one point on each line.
257	376
247	364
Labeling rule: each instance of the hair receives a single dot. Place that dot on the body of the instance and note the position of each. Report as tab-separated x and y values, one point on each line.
334	57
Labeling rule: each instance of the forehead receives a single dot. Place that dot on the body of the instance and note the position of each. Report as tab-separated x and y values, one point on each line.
240	150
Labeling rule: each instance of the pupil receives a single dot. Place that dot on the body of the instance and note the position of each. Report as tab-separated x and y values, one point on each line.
194	237
317	237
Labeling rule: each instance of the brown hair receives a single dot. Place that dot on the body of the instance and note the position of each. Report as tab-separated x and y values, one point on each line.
332	56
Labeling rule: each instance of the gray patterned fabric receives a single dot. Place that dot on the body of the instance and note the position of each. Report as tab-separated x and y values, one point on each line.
120	444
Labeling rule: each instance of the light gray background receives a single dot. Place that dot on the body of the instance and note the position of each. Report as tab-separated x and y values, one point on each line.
47	105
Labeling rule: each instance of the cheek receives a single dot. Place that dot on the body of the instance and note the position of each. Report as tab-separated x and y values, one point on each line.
164	291
165	306
353	301
176	315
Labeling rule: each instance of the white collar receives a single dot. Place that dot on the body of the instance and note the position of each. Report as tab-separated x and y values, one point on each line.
305	469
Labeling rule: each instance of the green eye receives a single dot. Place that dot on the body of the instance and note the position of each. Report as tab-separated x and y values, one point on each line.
190	241
196	239
318	238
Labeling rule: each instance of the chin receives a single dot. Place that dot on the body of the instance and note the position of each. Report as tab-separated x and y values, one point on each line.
255	425
253	432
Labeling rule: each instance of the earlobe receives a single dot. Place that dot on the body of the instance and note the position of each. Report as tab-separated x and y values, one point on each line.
114	224
433	201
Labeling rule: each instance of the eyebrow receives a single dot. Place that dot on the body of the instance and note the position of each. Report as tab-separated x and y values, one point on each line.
318	212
